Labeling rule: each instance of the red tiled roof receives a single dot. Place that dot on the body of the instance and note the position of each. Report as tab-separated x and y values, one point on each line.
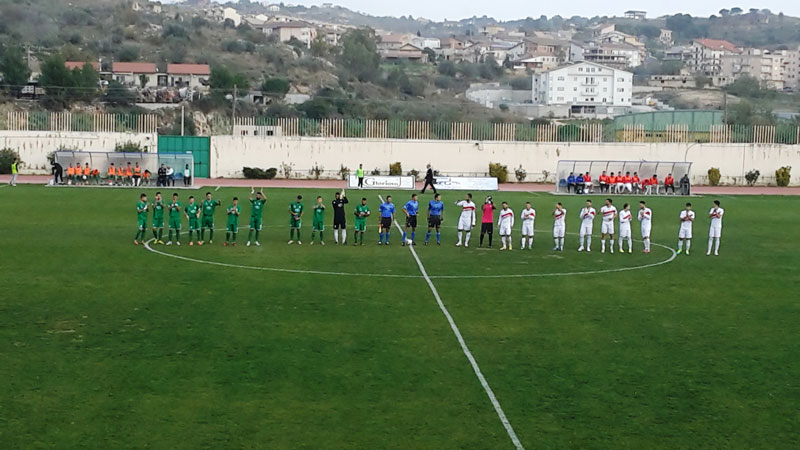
79	65
133	67
718	44
188	69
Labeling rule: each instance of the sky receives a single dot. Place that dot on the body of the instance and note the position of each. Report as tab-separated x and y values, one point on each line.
520	9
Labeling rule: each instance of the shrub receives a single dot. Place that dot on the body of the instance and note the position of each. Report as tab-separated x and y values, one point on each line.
395	169
498	171
259	174
287	169
413	173
443	82
277	87
344	171
129	147
316	171
520	173
375	172
7	156
714	176
752	176
783	176
503	107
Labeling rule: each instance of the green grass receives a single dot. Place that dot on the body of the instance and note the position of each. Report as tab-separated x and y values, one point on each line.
107	345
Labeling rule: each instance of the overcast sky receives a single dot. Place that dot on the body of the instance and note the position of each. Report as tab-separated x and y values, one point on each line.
519	9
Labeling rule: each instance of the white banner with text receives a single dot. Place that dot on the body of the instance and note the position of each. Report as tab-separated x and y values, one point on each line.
466	183
382	182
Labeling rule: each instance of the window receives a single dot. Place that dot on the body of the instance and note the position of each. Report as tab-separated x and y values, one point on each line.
605	89
560	88
580	69
620	89
560	99
620	79
560	78
575	88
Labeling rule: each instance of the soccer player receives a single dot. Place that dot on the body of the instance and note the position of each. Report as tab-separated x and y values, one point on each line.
296	219
487	220
528	216
669	183
141	218
467	219
609	213
318	221
361	212
627	183
174	220
339	219
587	225
603	182
637	182
435	218
411	209
645	217
192	212
685	232
505	223
715	229
232	226
256	215
559	226
207	221
158	219
625	217
387	218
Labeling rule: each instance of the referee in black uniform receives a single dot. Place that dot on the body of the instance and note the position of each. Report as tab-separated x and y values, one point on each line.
429	180
339	217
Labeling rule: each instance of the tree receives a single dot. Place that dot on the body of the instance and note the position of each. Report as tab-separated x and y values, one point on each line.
14	69
85	82
360	54
57	81
276	87
222	81
320	48
724	12
431	54
736	11
447	68
143	80
118	95
128	53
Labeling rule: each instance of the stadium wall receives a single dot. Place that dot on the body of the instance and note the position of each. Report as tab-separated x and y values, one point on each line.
230	153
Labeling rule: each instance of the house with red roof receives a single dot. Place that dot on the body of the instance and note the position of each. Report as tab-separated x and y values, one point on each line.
71	65
705	55
138	74
193	76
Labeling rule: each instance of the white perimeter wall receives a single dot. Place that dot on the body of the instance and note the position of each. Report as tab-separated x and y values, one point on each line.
230	153
33	146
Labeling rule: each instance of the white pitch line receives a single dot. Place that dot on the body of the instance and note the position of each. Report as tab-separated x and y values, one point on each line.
492	398
215	190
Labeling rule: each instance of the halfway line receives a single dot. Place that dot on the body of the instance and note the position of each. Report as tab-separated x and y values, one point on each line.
498	409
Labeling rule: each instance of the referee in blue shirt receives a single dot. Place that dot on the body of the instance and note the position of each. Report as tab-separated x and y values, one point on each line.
435	218
387	217
410	209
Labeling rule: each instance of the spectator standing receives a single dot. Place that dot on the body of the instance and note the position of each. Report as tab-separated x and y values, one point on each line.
686	185
429	180
187	176
162	176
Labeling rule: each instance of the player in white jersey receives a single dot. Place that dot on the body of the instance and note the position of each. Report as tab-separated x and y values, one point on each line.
609	213
528	216
715	229
467	219
505	223
587	225
685	233
646	218
625	217
559	226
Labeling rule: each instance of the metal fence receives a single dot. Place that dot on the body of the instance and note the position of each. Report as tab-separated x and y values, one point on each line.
81	122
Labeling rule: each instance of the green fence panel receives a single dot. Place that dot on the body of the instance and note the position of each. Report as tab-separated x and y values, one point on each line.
199	146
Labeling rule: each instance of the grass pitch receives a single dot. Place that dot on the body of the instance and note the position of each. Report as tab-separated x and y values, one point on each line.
107	345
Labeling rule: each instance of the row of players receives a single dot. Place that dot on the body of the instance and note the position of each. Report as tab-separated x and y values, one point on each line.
619	184
201	219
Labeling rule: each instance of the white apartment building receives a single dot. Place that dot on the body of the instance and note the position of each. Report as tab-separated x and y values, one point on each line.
775	70
587	88
705	55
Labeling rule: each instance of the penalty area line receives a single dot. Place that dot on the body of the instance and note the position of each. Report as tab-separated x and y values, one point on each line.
475	368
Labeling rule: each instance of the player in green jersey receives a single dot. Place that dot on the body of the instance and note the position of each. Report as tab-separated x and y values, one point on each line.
296	211
207	220
232	227
361	212
318	221
256	213
174	219
193	214
141	218
158	219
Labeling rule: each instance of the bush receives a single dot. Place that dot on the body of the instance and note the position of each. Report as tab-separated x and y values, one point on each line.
498	171
395	169
443	82
413	173
129	147
752	176
375	172
7	156
344	171
714	176
783	176
316	171
277	87
259	174
520	173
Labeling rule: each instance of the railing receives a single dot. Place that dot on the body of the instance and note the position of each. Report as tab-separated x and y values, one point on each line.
81	122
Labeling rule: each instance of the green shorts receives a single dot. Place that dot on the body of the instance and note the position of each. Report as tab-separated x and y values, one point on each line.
142	223
318	225
194	223
255	223
361	225
233	227
175	223
158	222
295	223
207	222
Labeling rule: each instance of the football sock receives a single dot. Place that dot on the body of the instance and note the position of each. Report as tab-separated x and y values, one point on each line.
413	236
227	236
427	236
344	236
680	245
362	237
234	236
320	236
160	233
466	242
588	241
170	234
480	241
710	242
203	234
250	235
387	236
556	242
630	243
522	244
438	237
336	236
210	234
688	245
190	235
716	245
490	238
155	234
603	245
404	236
380	237
561	243
460	233
178	235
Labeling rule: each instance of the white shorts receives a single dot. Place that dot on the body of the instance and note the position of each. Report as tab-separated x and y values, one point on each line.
504	230
685	233
586	229
620	187
625	231
646	230
464	224
527	228
629	187
715	232
607	227
558	231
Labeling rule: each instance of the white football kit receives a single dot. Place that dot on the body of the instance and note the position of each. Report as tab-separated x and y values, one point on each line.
625	224
646	217
467	219
608	213
559	227
685	231
715	229
587	220
528	217
505	222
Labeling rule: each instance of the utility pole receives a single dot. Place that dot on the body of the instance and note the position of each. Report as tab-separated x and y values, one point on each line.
183	116
233	115
725	106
